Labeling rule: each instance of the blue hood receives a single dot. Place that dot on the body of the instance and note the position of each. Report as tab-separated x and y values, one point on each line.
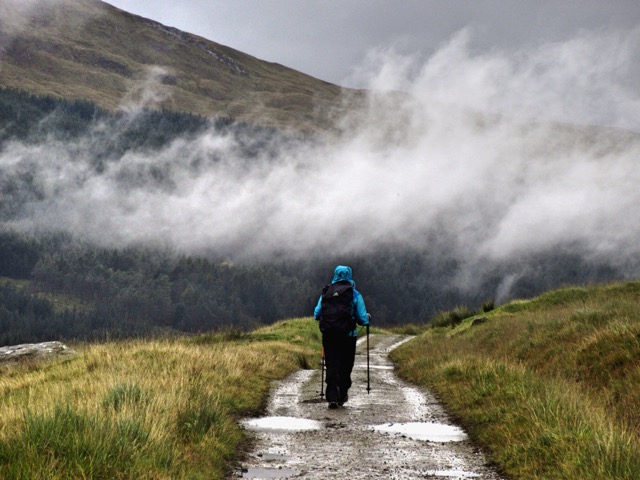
341	273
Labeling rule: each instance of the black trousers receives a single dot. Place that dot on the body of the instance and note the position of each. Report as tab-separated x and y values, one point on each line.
339	355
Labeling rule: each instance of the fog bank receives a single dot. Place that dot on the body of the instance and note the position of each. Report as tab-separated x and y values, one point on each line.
486	158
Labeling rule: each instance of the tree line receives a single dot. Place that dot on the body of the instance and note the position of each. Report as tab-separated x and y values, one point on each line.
134	291
139	291
33	119
144	291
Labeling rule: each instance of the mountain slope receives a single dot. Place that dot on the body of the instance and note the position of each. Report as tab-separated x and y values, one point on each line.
89	49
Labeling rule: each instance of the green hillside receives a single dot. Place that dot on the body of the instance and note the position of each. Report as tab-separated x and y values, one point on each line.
88	49
551	386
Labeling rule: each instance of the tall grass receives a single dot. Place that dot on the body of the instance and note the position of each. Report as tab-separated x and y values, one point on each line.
157	409
550	386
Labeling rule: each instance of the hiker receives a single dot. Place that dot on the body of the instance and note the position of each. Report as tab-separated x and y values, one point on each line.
339	309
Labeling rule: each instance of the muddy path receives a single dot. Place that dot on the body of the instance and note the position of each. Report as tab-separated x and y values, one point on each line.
397	431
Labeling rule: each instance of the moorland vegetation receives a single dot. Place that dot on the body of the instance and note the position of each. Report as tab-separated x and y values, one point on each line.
146	409
548	385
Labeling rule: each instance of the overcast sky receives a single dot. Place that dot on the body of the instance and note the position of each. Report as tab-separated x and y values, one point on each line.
328	38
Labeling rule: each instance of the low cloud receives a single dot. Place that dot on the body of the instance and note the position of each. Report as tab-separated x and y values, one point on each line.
487	158
148	92
18	15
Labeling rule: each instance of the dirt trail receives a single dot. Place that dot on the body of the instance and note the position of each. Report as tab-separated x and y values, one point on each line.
397	431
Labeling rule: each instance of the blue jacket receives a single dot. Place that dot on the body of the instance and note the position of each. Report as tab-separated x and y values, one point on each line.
360	314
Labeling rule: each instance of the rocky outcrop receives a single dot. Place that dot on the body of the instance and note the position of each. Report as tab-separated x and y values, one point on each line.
25	351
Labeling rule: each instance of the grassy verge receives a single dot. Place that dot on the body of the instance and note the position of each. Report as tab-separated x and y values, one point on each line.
550	386
156	409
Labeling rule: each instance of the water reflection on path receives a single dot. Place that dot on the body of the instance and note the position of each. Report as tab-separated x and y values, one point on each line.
427	431
282	424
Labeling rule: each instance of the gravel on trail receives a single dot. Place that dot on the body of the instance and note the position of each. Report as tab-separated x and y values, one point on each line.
396	431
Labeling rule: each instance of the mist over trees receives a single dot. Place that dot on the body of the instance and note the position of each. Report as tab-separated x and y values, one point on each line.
80	291
59	285
134	291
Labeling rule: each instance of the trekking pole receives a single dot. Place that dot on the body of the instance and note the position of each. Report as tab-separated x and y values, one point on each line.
322	374
368	381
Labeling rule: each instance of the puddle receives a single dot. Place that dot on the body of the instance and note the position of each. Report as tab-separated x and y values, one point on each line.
282	424
457	474
268	473
374	367
432	432
275	457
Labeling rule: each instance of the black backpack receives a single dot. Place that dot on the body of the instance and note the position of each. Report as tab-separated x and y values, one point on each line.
337	308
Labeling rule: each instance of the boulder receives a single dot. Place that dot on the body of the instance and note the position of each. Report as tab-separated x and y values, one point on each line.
25	351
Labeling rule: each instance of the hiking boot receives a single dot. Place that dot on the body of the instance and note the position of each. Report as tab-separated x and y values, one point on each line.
343	400
333	405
